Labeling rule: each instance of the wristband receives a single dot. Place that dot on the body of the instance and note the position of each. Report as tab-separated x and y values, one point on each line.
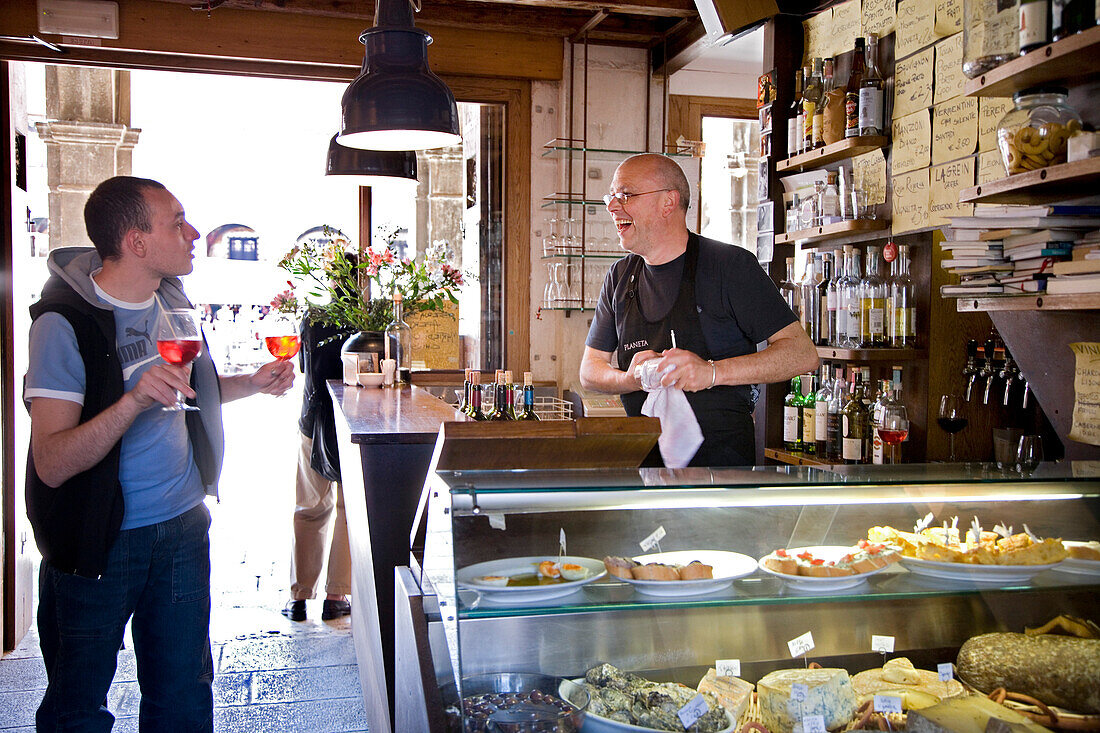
713	372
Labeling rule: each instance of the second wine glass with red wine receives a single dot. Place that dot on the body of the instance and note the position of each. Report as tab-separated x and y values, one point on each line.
179	341
895	428
952	418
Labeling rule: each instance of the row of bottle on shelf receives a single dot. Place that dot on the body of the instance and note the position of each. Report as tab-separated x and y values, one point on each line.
503	397
824	111
833	200
840	421
847	308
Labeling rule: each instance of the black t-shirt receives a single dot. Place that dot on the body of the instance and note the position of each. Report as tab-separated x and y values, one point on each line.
739	306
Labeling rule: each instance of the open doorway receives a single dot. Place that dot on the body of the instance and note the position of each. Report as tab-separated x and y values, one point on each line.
245	156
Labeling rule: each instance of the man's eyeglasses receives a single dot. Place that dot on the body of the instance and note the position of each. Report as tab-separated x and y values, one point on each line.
622	198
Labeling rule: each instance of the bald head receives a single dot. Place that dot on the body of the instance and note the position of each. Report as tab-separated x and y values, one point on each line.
664	172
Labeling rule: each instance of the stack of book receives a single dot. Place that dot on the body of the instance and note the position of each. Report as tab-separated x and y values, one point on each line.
1018	248
1081	273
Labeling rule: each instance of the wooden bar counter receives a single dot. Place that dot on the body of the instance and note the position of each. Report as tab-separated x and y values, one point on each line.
389	434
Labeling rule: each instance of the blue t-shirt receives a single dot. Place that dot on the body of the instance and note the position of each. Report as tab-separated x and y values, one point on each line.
158	473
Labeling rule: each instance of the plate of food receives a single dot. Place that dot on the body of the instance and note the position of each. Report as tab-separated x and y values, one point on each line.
1084	558
681	573
824	568
974	573
527	579
621	702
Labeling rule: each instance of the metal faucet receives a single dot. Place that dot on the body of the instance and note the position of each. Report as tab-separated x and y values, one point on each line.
1027	390
986	371
996	366
970	371
1008	374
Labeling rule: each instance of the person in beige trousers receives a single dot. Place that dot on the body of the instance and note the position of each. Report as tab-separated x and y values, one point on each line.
317	486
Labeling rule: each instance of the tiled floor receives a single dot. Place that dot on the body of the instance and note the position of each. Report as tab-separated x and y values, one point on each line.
270	674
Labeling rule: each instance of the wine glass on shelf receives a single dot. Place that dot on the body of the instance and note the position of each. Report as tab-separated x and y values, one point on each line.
179	341
1029	454
951	418
895	428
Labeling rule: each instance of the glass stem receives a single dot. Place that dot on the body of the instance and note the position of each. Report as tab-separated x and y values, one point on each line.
952	447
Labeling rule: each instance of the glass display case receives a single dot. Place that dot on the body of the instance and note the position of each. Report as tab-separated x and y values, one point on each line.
503	523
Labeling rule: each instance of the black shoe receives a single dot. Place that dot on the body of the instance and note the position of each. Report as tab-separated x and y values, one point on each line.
335	609
295	610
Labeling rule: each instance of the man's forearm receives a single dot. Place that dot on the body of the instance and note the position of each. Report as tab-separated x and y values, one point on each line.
779	361
63	454
600	376
236	386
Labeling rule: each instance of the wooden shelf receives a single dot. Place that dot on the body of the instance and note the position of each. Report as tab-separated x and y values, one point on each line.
1069	60
793	459
1037	302
832	231
840	150
828	352
1047	185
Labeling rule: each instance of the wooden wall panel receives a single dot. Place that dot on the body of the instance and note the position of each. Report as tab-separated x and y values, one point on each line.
231	36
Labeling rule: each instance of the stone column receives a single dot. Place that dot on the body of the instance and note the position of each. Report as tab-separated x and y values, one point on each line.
88	140
446	198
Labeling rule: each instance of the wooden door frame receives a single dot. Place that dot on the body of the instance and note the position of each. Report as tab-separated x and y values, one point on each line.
686	113
513	94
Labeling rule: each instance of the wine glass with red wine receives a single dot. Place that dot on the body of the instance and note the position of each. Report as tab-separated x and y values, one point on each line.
895	428
179	341
951	418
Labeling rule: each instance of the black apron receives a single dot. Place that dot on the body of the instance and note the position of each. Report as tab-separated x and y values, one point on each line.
724	412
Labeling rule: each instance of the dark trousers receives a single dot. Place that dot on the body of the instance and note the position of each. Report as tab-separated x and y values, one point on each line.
160	576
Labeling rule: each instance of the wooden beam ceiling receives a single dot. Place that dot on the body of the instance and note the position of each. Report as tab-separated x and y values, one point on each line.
626	22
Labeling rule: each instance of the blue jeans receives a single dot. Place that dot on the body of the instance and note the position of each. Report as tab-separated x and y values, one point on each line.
159	575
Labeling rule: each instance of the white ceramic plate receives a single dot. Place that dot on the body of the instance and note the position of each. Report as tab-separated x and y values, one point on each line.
728	567
974	573
820	585
599	724
465	578
1077	566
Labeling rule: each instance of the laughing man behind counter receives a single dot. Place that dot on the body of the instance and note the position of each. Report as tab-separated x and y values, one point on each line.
715	296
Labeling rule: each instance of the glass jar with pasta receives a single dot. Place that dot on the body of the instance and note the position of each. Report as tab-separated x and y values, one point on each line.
1035	134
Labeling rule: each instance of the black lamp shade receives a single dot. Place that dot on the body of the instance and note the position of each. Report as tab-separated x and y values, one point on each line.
397	103
371	167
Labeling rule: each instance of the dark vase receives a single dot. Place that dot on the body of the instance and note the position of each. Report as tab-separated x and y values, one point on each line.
367	342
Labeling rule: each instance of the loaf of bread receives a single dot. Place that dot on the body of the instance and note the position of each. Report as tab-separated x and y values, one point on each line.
621	567
1059	670
656	571
1084	550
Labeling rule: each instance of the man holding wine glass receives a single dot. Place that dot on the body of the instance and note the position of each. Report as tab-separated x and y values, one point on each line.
118	468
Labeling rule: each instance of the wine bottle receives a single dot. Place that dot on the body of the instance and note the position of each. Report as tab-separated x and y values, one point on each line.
870	93
852	298
872	304
499	399
824	313
792	428
851	92
791	292
509	397
902	308
809	416
793	130
821	415
1034	24
475	396
834	437
528	410
854	426
811	101
464	406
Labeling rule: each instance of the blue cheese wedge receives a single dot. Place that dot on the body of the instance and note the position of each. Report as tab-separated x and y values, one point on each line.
829	694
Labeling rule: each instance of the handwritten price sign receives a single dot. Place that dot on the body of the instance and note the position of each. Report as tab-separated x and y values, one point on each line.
650	542
882	644
801	645
728	667
694	710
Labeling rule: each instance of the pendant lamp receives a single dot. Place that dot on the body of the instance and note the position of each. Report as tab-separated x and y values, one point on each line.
397	103
371	167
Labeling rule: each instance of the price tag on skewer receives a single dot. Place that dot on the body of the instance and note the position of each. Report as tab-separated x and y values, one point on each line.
728	667
801	645
695	709
946	670
813	724
887	704
882	644
799	692
561	543
653	540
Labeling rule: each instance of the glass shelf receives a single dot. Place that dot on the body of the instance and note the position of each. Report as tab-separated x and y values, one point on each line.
893	584
587	256
563	147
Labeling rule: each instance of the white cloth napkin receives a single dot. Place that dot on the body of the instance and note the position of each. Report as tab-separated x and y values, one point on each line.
680	434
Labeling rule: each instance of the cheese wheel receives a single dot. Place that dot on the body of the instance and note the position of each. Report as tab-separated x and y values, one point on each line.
829	695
